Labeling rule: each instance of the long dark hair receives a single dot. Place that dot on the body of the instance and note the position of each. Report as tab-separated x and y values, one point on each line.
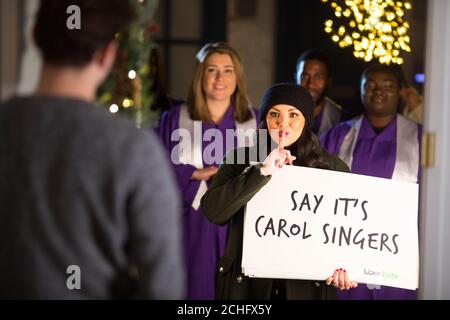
307	148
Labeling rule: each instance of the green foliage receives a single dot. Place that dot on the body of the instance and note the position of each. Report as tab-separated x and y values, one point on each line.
133	54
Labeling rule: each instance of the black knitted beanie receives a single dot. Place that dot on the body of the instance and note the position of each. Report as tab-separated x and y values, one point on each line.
291	94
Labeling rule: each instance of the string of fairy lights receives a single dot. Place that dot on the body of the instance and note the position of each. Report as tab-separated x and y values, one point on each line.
127	90
377	29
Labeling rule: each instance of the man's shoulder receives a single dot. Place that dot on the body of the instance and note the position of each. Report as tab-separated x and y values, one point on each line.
332	104
332	138
340	128
336	108
409	120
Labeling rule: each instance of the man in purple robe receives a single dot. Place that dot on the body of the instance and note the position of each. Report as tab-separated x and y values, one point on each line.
380	143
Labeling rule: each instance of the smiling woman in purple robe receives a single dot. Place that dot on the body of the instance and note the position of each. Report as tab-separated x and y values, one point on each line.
197	135
380	143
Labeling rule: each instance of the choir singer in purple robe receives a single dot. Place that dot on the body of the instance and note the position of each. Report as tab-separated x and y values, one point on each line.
216	118
380	143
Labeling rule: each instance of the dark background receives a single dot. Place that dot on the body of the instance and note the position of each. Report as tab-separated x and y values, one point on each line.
298	27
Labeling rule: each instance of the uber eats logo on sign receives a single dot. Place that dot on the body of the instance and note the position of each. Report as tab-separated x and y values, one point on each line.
74	20
74	278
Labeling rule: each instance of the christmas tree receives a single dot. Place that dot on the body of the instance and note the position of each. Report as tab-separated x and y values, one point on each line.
127	90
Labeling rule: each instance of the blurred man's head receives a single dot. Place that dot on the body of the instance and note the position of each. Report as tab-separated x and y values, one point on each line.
314	73
100	21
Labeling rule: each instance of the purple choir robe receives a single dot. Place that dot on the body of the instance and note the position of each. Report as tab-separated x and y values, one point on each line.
374	155
203	242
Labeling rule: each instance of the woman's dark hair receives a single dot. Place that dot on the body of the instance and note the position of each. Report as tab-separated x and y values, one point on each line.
307	148
100	21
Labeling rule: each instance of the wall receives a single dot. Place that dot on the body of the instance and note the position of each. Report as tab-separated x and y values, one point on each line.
435	213
414	61
9	47
30	64
253	38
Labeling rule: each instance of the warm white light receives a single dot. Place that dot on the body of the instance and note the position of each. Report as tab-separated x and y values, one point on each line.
375	29
127	103
114	108
132	74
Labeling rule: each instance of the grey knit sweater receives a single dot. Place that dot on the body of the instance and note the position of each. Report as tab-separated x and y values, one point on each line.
80	187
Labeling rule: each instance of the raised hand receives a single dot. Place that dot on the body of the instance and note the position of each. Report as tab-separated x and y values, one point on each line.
277	158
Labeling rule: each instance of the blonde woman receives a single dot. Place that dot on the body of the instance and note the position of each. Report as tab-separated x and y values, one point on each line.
197	135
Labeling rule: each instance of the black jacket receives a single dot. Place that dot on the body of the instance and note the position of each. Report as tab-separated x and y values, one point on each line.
232	187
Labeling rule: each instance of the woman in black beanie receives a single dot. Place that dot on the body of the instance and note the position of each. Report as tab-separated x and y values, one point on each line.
284	138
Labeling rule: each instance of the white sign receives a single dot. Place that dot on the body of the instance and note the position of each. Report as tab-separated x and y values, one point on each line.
306	223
